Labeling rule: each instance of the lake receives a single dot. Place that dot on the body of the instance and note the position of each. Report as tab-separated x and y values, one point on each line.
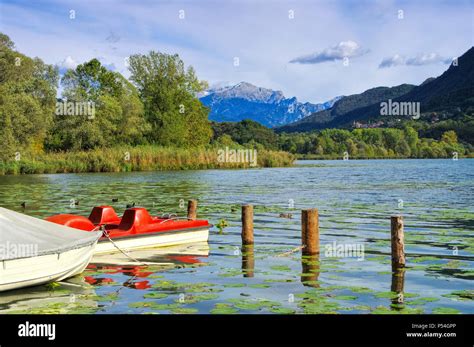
355	199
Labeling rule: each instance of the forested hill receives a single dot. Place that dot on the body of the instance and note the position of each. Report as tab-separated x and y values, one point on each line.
445	97
345	105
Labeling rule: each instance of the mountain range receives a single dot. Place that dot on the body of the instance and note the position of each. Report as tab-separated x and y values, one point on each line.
266	106
450	93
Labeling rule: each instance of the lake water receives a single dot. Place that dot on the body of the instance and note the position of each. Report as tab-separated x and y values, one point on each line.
355	199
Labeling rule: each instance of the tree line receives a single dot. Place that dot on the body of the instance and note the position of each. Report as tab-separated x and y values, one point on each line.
403	142
157	105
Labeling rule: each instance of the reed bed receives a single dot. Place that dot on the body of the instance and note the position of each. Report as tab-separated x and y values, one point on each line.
142	158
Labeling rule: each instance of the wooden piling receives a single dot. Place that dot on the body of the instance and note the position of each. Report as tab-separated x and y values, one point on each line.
398	243
247	224
310	231
192	209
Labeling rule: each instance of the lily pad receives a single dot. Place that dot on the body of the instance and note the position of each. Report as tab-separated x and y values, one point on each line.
249	304
462	295
155	295
192	299
234	285
280	268
259	285
223	309
345	297
184	310
445	310
282	310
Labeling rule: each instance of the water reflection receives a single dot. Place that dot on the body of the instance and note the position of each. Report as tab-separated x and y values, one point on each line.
69	297
398	287
248	261
310	270
165	257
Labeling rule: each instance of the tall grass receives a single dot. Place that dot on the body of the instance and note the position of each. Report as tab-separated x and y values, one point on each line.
141	158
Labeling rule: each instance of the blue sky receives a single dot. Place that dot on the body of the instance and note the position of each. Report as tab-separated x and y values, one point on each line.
313	50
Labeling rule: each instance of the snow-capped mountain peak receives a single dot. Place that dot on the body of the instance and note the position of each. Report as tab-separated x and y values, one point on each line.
247	101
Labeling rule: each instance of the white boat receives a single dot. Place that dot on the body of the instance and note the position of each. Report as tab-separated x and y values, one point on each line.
34	251
162	239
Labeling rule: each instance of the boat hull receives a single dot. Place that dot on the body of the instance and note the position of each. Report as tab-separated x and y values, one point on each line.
26	272
151	240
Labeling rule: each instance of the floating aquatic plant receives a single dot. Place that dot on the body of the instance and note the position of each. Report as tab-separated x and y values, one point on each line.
184	310
461	295
223	309
192	299
155	295
445	310
222	225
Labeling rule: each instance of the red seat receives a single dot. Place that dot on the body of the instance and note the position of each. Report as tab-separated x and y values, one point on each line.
104	215
72	221
134	218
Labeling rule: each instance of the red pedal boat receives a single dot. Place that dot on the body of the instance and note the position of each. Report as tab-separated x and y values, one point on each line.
136	229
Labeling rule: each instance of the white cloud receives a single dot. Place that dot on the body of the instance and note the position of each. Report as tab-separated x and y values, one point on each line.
262	36
419	60
67	63
345	49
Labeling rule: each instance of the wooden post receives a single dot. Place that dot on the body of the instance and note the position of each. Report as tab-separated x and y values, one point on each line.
310	231
192	209
398	243
247	224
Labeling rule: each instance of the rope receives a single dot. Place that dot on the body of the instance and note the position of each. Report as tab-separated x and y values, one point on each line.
106	234
294	250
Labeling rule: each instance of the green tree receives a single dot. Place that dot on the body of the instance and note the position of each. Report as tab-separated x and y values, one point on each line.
450	137
27	100
168	92
117	110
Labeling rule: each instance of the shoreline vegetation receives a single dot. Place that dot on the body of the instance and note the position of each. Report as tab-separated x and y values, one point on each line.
104	122
141	158
153	158
329	157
